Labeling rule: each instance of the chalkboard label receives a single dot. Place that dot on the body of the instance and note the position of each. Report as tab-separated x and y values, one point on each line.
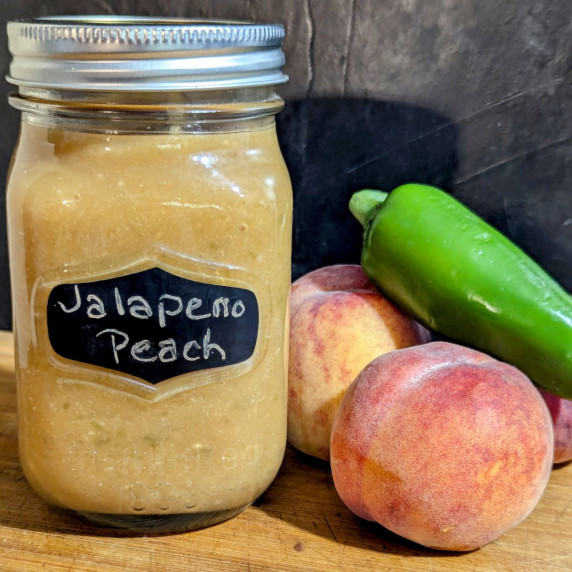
153	324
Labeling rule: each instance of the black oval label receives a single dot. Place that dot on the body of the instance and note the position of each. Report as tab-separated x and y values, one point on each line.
153	324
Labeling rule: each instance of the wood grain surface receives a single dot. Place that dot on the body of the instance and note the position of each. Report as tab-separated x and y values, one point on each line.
298	525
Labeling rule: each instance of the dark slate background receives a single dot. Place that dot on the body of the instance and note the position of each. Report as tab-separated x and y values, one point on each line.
471	95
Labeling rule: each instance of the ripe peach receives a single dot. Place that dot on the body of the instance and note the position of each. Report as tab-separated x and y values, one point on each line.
561	413
443	445
339	323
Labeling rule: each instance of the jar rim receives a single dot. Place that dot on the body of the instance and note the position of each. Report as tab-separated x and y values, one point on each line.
137	53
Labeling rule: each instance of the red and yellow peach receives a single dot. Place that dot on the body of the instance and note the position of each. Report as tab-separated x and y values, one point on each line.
443	445
339	323
561	413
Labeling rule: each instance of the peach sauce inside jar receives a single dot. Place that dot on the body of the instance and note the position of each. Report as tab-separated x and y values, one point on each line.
149	214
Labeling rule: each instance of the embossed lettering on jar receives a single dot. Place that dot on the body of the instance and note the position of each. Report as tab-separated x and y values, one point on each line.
149	215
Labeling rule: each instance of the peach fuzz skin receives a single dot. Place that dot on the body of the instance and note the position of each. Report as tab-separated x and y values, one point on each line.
561	413
442	445
338	324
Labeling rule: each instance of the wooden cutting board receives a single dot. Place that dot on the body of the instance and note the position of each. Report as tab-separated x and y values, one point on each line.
298	525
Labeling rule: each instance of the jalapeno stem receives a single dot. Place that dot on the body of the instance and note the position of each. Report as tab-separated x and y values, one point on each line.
364	204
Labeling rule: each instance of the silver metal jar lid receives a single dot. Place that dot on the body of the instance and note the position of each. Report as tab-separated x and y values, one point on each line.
143	54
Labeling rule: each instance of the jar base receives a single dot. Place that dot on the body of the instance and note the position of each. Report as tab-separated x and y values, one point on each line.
160	523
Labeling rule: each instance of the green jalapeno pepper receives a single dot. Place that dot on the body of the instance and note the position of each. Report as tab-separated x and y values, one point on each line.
460	277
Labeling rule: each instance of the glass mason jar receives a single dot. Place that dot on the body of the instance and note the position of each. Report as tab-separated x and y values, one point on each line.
149	214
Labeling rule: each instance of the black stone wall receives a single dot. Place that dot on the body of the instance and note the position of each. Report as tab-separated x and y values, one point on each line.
471	95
